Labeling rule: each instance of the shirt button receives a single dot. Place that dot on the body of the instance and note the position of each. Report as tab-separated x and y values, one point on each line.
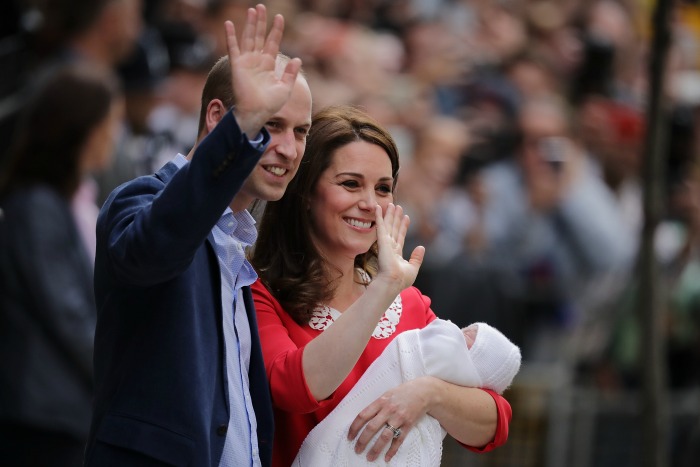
221	430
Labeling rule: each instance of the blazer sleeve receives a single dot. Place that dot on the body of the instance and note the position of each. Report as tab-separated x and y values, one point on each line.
152	228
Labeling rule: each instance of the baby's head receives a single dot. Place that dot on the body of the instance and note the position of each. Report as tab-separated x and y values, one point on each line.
496	358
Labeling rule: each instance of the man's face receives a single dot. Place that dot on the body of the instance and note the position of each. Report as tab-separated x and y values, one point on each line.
288	129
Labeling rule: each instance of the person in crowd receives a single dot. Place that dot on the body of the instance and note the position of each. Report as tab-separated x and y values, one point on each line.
178	367
547	217
100	32
334	291
477	355
439	146
107	33
142	76
47	306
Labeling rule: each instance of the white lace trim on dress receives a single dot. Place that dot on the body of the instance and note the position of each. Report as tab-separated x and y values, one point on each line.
323	316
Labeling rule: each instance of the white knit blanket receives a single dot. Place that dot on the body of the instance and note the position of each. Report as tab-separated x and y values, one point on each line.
437	350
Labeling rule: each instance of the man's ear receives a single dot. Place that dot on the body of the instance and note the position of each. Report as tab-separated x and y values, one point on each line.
215	112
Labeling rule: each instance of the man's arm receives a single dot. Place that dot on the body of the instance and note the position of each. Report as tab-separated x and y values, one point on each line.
152	230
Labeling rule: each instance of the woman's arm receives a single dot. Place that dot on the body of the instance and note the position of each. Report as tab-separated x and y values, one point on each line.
475	417
329	358
468	414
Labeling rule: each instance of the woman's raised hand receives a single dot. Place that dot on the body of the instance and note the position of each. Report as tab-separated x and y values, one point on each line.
259	89
391	233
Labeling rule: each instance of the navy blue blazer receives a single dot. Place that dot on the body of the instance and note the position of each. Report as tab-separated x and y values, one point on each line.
160	377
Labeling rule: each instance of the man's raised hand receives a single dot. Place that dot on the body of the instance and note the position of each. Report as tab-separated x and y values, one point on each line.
259	89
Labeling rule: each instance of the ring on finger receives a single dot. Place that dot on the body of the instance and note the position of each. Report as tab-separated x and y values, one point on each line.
397	431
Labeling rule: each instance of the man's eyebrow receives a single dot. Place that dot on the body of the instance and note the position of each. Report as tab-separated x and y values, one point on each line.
277	118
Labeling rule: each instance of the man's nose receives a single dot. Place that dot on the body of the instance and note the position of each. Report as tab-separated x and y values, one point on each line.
287	145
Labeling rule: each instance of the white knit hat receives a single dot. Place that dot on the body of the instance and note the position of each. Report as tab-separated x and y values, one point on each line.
496	358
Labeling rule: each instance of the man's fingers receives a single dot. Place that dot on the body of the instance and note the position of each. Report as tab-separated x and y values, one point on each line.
274	38
291	71
260	27
231	41
248	36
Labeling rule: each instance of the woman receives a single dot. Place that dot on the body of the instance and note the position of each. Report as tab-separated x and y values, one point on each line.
334	290
47	309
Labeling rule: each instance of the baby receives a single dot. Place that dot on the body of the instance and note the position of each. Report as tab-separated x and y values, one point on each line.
477	356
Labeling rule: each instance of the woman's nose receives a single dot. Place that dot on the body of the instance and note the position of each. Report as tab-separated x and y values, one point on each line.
367	201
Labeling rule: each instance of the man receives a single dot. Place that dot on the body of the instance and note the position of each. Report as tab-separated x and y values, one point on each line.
179	373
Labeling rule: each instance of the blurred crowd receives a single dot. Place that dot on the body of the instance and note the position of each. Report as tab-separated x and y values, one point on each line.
521	127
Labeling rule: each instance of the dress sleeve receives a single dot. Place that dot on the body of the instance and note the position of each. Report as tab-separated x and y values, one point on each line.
283	343
424	302
505	413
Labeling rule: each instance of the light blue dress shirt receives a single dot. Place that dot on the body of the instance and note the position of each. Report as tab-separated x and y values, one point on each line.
232	234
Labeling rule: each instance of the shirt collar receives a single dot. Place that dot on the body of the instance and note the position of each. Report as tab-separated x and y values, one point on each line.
238	224
180	161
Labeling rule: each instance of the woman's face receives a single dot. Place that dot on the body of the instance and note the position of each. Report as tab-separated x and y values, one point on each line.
342	205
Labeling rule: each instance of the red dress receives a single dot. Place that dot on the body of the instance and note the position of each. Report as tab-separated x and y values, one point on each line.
283	341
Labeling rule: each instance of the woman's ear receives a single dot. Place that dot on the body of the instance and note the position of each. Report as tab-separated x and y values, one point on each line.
215	112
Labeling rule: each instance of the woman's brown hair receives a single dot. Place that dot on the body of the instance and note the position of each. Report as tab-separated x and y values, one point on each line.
285	257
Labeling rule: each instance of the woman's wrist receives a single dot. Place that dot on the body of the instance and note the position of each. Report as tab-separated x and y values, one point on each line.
386	286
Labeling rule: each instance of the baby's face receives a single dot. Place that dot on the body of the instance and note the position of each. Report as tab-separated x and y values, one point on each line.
470	334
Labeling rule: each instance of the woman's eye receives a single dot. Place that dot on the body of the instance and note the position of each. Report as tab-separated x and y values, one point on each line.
350	184
385	189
